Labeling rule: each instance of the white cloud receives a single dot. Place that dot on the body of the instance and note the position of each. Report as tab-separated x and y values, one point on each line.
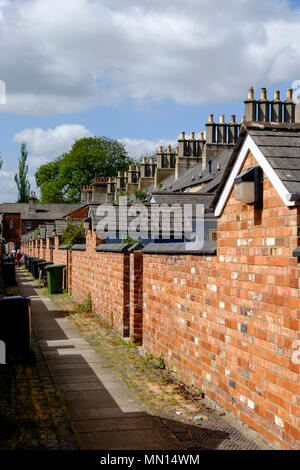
44	145
71	55
137	148
8	192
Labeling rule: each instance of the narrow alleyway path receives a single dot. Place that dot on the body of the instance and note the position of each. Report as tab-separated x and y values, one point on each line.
104	413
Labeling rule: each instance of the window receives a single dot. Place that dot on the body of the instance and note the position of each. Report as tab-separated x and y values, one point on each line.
28	225
11	224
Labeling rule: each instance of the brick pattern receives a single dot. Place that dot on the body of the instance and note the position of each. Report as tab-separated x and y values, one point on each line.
136	297
225	323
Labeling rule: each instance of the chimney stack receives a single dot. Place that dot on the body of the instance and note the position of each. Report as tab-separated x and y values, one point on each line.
192	145
182	145
201	142
276	107
250	106
222	130
32	203
233	130
160	157
289	107
263	107
210	130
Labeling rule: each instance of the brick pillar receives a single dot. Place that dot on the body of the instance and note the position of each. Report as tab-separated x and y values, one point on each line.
126	294
136	297
42	251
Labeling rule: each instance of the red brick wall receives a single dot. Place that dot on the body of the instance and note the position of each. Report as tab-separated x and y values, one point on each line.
106	277
136	297
13	234
227	323
59	256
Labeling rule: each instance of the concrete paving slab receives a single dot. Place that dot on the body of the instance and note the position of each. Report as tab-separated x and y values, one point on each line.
105	413
119	424
149	439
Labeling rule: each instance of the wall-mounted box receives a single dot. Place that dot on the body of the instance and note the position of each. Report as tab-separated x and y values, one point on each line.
248	185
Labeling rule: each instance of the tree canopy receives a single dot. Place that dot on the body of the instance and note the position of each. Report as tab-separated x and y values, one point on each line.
21	177
89	158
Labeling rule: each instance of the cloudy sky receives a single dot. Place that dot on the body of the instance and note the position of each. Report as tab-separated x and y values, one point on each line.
140	71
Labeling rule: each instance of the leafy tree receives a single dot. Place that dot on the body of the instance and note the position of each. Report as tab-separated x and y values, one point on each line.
73	234
140	194
89	158
21	178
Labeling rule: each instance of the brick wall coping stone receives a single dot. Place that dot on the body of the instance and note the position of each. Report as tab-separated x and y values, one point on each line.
65	247
113	247
78	247
180	248
135	247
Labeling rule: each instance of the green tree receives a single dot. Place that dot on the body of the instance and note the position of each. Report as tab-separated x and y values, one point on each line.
73	234
21	178
89	158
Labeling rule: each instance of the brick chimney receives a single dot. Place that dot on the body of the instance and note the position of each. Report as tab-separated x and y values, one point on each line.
263	107
276	107
266	111
289	107
32	203
250	106
100	190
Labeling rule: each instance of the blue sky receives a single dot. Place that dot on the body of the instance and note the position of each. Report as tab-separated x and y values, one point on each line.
138	71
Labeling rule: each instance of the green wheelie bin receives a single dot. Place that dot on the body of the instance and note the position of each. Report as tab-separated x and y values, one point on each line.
55	273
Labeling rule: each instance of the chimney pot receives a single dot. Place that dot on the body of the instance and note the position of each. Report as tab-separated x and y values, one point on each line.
222	119
201	135
160	149
289	94
144	160
243	119
210	119
277	95
169	149
182	136
192	135
263	94
232	120
251	94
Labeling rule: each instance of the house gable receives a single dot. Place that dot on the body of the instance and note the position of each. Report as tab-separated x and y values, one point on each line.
249	146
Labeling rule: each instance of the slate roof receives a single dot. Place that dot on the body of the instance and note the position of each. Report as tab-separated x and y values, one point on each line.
43	211
280	145
196	175
183	198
